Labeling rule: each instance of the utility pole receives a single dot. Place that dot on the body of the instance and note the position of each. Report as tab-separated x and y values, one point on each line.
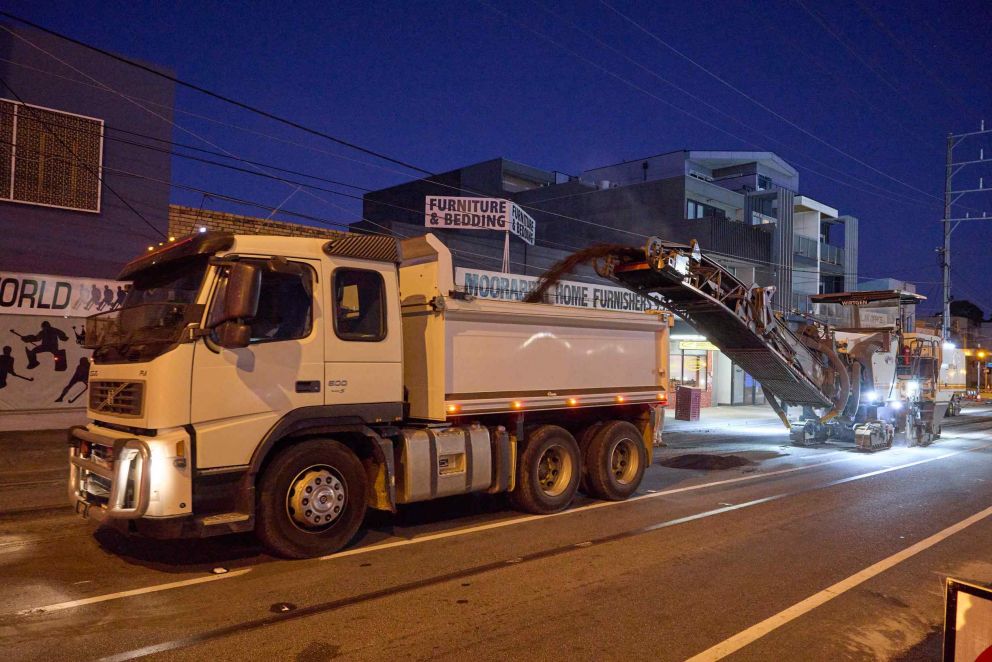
945	261
950	223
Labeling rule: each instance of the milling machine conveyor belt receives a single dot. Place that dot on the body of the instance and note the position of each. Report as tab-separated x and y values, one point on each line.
735	317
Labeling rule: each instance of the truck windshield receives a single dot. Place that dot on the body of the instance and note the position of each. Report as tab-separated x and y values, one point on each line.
159	305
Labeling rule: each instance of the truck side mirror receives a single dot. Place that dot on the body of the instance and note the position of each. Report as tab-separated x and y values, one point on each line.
241	293
233	335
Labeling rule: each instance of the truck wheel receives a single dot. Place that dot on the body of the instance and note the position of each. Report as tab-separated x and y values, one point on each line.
547	471
311	499
585	439
615	461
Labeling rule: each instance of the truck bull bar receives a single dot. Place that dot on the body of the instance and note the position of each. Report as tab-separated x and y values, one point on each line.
129	469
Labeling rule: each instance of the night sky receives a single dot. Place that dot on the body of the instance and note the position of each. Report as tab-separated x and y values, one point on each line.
572	86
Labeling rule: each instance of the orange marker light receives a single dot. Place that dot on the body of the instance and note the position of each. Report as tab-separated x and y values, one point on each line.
516	404
452	409
572	402
619	398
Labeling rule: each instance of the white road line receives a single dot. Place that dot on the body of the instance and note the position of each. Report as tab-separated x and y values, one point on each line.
592	506
755	632
500	524
126	594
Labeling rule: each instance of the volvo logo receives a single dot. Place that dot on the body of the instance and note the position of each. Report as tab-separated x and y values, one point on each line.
113	393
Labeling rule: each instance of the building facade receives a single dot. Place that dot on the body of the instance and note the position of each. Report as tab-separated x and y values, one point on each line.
744	208
77	201
75	192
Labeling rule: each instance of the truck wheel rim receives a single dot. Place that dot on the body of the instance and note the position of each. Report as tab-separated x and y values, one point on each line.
624	461
316	499
554	470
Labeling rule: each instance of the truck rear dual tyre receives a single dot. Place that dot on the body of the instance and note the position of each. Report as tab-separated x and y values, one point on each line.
548	471
614	460
311	499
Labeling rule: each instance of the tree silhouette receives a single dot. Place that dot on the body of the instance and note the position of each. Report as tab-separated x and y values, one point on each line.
968	310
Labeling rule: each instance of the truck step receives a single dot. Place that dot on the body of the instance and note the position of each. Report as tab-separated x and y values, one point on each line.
221	523
223	518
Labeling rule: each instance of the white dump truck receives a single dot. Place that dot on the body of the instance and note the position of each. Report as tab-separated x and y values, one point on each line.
283	385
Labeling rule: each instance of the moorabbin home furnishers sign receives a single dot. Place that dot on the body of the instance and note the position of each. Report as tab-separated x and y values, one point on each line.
514	287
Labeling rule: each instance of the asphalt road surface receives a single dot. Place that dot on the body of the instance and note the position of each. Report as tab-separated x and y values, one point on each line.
778	553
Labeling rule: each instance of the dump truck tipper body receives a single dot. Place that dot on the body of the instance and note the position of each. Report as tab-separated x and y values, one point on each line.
283	385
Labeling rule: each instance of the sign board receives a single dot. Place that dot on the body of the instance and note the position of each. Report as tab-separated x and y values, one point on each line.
698	344
454	212
43	364
39	294
967	622
500	286
522	224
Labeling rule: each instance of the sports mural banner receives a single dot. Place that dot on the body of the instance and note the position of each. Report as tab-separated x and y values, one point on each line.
514	287
39	294
43	364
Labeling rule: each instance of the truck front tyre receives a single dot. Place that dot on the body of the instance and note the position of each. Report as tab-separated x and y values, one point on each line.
615	461
311	499
548	471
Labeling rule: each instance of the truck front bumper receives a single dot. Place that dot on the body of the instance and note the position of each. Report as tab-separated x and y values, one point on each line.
116	476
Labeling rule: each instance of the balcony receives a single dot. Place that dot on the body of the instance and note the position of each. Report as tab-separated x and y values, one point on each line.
757	218
811	248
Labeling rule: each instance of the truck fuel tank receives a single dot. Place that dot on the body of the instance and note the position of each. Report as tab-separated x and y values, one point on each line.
441	461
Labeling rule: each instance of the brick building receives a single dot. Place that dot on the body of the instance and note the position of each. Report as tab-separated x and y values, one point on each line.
187	220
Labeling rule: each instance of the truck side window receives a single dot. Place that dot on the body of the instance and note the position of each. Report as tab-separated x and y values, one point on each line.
359	305
284	307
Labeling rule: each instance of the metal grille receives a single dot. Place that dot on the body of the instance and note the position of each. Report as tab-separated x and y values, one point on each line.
118	398
56	157
365	246
6	146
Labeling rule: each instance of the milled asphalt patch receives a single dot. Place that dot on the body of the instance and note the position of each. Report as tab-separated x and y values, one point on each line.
705	462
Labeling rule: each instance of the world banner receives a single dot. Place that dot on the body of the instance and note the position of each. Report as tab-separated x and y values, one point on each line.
43	364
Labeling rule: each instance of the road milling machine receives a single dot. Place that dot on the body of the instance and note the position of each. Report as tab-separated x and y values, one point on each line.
856	371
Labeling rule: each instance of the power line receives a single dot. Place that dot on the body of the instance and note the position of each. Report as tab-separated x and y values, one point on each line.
332	138
843	42
179	154
758	103
85	165
898	197
461	189
870	13
218	96
164	118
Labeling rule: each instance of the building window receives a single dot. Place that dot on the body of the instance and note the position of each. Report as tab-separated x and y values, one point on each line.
50	158
764	183
359	305
695	210
689	367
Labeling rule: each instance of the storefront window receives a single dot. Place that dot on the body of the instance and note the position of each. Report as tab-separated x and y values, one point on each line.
689	367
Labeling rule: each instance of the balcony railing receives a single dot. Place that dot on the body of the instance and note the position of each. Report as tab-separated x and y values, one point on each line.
813	249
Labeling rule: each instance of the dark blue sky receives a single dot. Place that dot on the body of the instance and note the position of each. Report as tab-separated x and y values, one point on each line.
572	86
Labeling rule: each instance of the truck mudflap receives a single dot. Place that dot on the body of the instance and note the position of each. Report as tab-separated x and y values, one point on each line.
119	485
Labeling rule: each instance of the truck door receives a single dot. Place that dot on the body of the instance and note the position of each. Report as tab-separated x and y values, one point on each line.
239	394
363	338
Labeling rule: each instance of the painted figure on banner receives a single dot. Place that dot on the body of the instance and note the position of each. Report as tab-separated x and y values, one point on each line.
121	295
7	367
83	299
94	299
108	299
46	341
80	376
